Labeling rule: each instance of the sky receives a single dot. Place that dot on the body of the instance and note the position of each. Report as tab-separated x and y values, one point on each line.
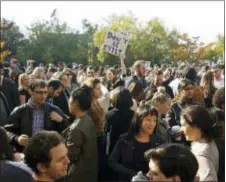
197	18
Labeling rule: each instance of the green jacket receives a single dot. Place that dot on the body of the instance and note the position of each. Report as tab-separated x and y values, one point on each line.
162	129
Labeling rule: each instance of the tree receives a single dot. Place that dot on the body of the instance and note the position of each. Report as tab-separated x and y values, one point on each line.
11	38
3	53
90	30
219	48
51	41
146	42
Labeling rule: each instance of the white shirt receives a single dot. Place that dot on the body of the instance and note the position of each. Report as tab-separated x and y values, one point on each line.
174	85
104	101
220	83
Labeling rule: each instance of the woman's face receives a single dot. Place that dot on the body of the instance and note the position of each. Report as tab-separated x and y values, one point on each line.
31	79
26	81
191	133
69	75
43	75
110	75
164	107
148	124
66	81
97	91
187	92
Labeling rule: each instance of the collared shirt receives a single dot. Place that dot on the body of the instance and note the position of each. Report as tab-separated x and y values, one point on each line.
37	118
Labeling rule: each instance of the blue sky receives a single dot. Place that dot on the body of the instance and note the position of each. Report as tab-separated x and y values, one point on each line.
197	18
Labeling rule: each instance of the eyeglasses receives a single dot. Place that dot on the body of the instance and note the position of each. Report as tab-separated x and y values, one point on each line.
41	92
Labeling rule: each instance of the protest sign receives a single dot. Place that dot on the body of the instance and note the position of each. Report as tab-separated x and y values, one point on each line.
115	43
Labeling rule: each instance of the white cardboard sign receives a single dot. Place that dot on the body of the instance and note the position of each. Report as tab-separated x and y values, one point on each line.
115	43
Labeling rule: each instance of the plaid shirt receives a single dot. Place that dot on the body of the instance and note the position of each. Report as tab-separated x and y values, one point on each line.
37	119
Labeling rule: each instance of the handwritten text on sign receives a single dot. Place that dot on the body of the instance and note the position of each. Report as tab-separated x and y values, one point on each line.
115	43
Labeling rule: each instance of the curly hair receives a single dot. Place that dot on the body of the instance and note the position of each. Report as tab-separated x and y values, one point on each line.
219	98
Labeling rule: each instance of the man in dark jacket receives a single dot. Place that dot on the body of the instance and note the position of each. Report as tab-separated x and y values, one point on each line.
9	89
186	98
173	116
34	116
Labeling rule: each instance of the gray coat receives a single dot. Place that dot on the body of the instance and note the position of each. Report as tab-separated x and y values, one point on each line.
81	140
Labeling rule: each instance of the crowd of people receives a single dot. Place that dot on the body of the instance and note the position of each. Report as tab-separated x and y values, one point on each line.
71	123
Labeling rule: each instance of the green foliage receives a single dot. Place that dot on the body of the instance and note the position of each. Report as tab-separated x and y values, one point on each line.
12	36
150	41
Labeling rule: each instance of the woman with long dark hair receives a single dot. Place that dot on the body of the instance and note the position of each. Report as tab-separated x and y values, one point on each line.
127	157
81	139
199	128
207	85
118	120
111	78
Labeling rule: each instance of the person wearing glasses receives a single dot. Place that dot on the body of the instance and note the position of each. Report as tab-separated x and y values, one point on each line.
185	88
34	116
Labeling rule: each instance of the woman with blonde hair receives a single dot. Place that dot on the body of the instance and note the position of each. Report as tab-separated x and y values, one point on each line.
162	102
23	83
39	73
96	113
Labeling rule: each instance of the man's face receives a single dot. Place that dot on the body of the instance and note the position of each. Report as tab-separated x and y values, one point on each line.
90	73
39	95
155	174
187	92
141	70
59	163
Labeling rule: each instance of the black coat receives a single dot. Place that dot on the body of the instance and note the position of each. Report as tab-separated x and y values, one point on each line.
117	122
121	159
10	90
173	116
20	122
62	102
